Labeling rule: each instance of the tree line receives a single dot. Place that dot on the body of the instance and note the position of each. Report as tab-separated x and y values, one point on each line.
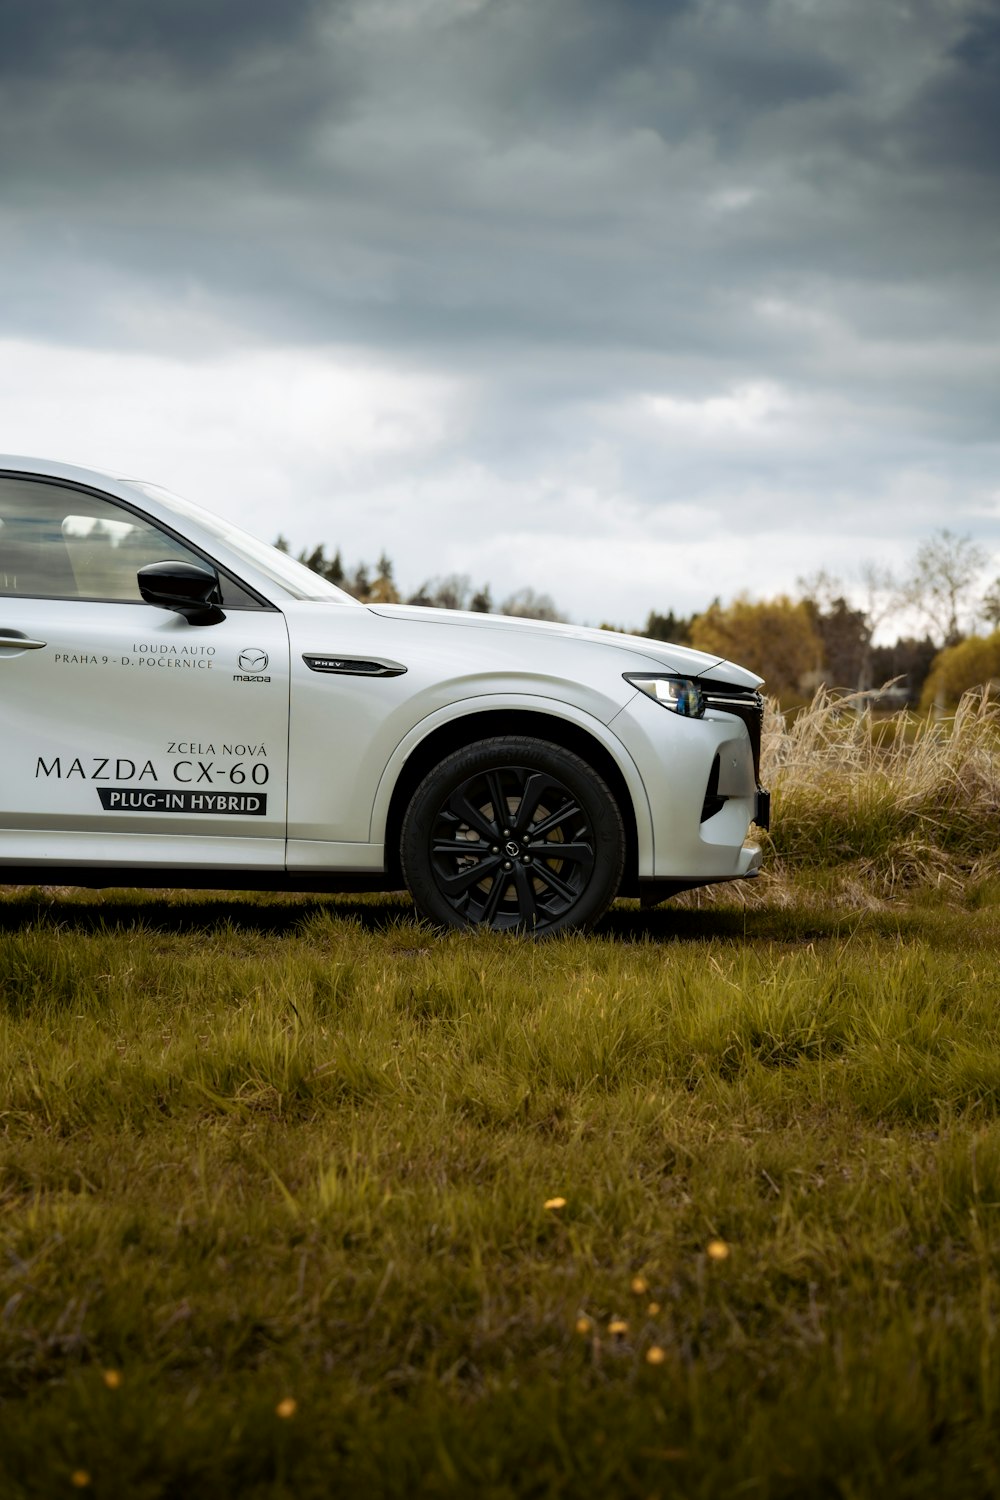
825	634
377	585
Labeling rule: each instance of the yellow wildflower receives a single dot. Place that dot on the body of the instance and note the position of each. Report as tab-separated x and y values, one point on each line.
655	1355
287	1407
112	1379
552	1203
717	1250
640	1286
618	1327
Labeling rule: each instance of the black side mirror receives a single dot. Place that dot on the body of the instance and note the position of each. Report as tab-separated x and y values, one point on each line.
188	588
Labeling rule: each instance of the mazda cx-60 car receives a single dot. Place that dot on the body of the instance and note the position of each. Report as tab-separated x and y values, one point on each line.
183	705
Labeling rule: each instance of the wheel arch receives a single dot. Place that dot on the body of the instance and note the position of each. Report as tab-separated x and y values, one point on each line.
486	723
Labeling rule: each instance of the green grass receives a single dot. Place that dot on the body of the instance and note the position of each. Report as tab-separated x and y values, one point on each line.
263	1149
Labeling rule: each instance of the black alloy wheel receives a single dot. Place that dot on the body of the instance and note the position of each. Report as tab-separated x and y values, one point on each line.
514	834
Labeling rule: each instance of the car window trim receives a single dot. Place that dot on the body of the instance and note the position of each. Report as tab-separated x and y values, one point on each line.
198	551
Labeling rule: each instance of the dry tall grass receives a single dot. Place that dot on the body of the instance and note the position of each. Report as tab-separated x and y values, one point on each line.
884	806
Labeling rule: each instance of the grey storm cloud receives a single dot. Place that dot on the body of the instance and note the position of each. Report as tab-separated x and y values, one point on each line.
569	204
502	168
50	38
954	122
569	143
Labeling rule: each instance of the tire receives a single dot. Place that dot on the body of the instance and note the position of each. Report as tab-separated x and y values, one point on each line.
513	834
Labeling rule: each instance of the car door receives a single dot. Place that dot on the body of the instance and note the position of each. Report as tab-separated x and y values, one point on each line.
131	735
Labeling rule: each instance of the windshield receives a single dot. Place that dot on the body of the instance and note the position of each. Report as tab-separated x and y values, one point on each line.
298	580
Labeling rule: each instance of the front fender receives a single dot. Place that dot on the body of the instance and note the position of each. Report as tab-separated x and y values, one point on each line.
498	704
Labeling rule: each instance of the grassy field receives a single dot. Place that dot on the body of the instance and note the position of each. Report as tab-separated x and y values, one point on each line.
299	1198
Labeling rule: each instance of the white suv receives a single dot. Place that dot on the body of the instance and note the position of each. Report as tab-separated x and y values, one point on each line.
184	705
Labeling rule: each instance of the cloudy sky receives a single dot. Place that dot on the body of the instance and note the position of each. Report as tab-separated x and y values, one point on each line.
635	302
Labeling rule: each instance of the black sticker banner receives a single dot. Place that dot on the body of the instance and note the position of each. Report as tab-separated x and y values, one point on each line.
135	799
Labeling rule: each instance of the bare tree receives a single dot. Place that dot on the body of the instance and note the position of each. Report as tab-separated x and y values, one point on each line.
451	592
821	588
530	606
990	607
882	598
941	588
847	632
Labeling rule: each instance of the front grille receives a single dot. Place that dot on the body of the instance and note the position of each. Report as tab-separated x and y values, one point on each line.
746	704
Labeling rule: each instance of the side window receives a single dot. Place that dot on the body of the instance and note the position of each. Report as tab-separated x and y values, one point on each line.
63	543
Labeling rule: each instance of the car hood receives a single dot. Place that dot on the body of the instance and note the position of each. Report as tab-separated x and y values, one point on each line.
663	656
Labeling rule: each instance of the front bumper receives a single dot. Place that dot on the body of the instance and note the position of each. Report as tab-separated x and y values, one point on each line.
652	892
702	790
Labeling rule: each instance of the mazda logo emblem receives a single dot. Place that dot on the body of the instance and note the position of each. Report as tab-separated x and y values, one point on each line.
253	660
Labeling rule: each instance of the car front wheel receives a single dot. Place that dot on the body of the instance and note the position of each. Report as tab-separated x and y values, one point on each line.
513	834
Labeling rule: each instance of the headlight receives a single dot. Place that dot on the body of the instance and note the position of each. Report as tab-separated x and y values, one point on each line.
677	693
